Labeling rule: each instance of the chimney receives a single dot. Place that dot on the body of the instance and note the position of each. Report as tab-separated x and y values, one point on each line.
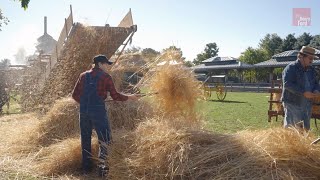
45	25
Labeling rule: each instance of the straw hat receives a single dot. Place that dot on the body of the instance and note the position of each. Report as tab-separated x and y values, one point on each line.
308	50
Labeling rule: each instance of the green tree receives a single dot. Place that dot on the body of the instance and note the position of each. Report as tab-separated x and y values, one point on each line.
315	42
24	4
254	56
149	54
132	49
5	20
211	50
303	40
188	63
271	43
289	43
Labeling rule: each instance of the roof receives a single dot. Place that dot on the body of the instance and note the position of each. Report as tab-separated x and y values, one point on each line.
291	53
237	65
217	58
274	63
283	59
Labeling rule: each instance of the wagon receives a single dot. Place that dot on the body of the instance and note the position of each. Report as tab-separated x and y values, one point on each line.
212	83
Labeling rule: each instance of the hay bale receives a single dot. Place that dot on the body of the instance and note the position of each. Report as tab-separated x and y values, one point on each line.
63	157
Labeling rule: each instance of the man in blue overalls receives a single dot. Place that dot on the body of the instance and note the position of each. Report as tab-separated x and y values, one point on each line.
90	91
300	86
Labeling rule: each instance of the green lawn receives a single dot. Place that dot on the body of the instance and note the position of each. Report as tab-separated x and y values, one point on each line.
240	111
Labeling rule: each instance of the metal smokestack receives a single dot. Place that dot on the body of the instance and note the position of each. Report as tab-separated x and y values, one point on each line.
45	25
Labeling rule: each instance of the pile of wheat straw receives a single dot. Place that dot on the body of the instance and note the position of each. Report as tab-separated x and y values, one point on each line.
176	88
127	115
83	44
161	151
63	157
61	122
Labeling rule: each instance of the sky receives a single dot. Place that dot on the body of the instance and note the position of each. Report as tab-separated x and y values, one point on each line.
233	24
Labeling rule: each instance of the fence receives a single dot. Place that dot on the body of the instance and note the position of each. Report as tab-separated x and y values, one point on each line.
248	87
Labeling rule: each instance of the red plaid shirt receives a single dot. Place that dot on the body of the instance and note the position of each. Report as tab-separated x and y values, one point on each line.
105	84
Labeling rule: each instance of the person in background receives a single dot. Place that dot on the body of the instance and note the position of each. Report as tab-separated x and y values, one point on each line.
300	87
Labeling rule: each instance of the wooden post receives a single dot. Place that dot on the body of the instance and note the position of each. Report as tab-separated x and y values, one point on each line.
71	14
271	75
66	25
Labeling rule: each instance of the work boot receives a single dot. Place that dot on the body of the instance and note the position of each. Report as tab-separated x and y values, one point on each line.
103	170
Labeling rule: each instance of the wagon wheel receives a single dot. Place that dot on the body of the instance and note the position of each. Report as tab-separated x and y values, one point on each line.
206	92
221	92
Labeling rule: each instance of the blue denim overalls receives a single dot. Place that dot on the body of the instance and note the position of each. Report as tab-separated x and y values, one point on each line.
93	114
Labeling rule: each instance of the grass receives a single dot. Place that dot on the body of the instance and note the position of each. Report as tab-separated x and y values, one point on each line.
14	107
240	111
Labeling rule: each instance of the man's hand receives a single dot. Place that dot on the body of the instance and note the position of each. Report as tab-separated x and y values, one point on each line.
309	95
133	97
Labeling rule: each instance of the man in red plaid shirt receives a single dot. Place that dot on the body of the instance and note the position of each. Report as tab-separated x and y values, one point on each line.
91	91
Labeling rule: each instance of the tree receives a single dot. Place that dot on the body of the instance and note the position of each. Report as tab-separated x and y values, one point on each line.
289	43
20	57
149	54
254	56
24	4
131	50
173	51
303	40
211	50
4	63
5	20
148	51
315	42
271	43
188	63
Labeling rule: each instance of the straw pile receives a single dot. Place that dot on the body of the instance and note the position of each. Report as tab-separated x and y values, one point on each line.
165	152
176	87
77	57
61	122
63	157
127	115
18	133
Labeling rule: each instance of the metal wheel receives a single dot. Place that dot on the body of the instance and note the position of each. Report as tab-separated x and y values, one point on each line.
221	92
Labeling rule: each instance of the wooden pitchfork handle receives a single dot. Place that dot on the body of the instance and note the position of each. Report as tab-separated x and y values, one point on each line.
139	95
316	141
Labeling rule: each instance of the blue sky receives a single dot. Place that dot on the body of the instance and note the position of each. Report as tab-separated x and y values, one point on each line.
189	24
